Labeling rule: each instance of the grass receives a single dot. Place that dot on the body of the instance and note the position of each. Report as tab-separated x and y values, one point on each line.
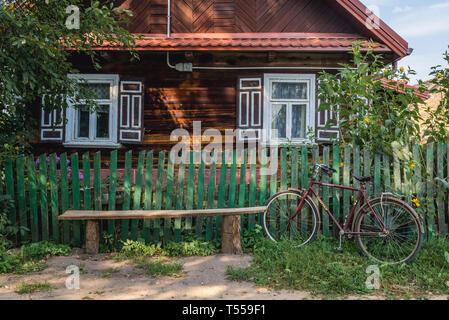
319	269
30	258
29	288
161	267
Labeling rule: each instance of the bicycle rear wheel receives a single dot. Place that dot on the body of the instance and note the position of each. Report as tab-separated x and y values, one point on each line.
276	223
401	242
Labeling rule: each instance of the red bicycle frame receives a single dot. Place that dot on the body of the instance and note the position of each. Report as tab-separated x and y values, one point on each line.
343	229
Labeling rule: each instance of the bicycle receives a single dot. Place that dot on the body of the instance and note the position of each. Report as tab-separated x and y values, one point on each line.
387	229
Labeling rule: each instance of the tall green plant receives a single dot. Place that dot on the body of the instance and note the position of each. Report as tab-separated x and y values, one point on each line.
376	106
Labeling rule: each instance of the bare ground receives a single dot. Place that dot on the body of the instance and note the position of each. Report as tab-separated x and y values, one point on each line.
103	278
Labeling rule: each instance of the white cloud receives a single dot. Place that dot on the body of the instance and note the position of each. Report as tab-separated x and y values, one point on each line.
440	5
402	9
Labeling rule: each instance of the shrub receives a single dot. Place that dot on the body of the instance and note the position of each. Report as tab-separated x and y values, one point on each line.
41	250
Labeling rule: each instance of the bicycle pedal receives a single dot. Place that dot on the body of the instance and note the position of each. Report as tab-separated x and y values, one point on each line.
338	249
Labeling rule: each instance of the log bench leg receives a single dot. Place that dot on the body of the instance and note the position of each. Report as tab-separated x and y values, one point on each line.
92	236
230	235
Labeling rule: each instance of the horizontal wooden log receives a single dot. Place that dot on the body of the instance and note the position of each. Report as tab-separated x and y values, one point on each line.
155	214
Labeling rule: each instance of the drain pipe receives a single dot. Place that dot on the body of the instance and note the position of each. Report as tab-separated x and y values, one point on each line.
168	18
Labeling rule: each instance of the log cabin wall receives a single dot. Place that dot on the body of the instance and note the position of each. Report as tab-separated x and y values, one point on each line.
175	99
234	16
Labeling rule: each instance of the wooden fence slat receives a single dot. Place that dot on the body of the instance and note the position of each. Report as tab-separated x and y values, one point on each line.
169	198
31	170
346	180
54	199
420	185
43	195
336	180
112	189
386	168
377	175
76	197
252	188
325	179
442	227
242	186
179	198
63	164
284	183
21	195
137	200
397	176
367	169
146	232
87	205
430	193
211	196
97	181
127	193
304	167
263	182
221	192
356	169
233	181
158	195
190	191
9	178
200	197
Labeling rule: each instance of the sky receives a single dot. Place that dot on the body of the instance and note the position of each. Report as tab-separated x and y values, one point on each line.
424	24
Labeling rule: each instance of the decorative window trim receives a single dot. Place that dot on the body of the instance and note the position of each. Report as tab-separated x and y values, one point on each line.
70	139
310	102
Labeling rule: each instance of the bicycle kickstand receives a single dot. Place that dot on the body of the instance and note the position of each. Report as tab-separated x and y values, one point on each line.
339	248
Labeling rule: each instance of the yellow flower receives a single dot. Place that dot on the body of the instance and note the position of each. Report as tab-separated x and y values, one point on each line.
439	76
48	183
411	165
360	79
342	164
416	202
17	148
348	93
401	69
11	6
26	179
367	120
386	71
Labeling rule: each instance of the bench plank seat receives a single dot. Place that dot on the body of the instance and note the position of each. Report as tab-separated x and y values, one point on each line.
230	233
155	214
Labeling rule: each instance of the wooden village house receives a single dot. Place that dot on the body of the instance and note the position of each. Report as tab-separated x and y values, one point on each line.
247	65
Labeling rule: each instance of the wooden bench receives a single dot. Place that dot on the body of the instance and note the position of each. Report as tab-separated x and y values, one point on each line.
230	231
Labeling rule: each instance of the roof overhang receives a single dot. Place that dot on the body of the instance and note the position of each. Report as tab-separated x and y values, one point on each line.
292	42
373	26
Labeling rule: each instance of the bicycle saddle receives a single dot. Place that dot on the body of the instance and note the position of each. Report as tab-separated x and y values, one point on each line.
363	179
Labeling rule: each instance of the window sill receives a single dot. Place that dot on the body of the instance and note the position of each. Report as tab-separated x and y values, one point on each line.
103	145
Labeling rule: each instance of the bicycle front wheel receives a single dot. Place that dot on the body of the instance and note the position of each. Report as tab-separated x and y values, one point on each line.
404	232
277	222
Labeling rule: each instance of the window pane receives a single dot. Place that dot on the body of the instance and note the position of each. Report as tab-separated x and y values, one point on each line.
289	90
83	122
103	122
299	121
279	121
102	90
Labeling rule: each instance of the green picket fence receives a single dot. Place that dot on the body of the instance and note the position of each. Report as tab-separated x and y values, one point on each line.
43	189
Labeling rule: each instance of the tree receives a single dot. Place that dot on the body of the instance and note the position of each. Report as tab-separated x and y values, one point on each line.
37	38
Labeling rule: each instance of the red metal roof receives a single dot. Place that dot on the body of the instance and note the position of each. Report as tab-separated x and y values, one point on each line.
400	85
250	42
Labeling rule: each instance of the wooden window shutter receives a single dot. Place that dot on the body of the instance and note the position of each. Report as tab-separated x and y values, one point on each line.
324	134
130	114
249	108
52	126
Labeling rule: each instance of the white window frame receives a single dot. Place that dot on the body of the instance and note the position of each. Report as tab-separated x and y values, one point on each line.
72	114
310	103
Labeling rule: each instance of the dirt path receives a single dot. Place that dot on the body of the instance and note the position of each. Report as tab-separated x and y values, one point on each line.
103	278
